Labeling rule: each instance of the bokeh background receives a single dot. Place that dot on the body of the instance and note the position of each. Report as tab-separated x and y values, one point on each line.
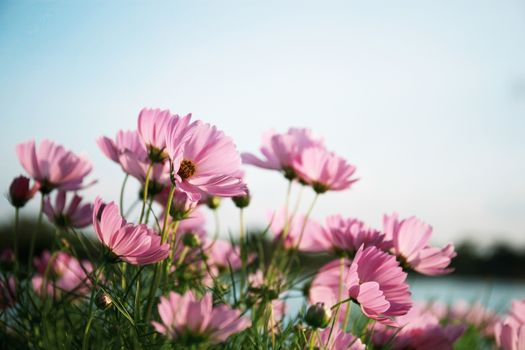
426	98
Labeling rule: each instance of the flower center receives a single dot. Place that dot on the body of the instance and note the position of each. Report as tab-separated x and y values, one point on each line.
187	169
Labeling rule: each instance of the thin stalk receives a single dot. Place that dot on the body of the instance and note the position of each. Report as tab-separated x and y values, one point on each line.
308	213
243	253
121	202
164	234
85	339
33	235
339	296
137	302
312	339
15	239
347	316
145	192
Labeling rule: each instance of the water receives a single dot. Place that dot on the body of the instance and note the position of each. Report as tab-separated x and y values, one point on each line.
494	294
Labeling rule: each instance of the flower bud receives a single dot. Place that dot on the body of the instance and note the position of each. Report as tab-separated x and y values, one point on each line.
19	191
242	201
104	301
213	202
191	240
318	316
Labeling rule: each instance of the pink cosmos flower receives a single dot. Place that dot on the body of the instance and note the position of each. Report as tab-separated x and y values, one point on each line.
186	318
223	254
130	152
420	330
52	166
324	170
125	141
65	274
347	235
19	191
205	161
410	244
300	234
339	340
135	244
326	286
510	332
377	283
281	151
76	215
154	127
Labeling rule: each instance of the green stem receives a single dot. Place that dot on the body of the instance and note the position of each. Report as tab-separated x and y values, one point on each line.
151	294
312	339
121	202
243	253
33	235
164	234
137	302
145	192
303	227
339	296
15	239
347	316
85	340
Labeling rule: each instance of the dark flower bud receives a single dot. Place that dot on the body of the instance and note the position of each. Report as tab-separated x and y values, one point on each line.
20	192
318	316
242	201
104	301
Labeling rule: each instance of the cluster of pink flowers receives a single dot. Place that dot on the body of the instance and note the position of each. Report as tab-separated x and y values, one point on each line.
60	274
184	165
300	156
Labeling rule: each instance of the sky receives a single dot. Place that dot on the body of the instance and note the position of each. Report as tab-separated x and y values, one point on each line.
426	98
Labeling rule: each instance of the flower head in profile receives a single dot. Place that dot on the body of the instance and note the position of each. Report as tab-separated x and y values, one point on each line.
61	273
52	166
346	236
205	161
223	254
410	238
324	170
377	283
153	128
510	332
281	151
124	142
135	244
76	215
190	320
20	192
131	153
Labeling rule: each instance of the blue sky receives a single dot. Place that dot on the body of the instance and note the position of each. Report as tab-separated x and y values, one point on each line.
426	98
